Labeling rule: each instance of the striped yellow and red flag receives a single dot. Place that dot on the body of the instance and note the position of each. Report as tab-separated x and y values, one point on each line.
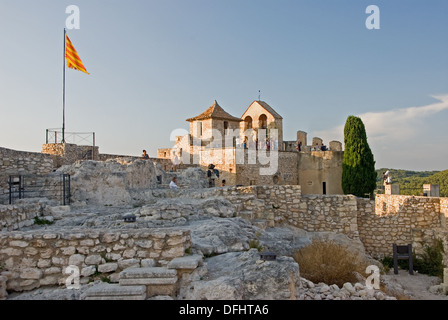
72	57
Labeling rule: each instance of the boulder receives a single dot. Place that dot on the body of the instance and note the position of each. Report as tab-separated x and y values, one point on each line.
243	276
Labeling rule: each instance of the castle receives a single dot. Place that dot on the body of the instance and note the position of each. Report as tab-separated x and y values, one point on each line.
251	151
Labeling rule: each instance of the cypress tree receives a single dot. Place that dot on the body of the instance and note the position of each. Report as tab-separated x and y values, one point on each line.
358	167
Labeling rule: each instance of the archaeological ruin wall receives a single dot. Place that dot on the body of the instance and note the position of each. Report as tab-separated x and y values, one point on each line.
40	258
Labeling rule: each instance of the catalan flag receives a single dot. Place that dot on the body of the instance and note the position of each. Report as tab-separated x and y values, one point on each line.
73	60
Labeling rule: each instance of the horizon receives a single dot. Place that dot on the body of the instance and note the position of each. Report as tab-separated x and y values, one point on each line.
154	64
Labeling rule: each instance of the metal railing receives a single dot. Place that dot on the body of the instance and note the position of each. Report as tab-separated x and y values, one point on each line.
34	186
55	136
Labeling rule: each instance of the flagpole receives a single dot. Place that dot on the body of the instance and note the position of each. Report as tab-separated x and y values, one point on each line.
63	89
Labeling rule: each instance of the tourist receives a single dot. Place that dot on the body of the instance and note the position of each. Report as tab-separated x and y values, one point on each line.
176	161
145	155
387	178
212	175
173	184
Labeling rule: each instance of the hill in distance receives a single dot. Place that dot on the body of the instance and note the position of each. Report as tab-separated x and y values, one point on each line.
411	182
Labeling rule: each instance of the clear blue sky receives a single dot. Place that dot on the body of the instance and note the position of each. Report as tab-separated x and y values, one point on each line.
154	64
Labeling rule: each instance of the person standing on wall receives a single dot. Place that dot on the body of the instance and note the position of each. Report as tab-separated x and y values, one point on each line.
145	155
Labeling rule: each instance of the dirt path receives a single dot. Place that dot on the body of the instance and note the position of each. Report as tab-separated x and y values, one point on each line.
416	286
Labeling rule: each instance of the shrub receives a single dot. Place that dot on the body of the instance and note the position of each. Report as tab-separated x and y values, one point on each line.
430	262
41	222
329	262
255	244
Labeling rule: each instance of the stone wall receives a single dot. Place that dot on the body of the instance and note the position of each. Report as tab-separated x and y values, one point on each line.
318	167
418	220
40	258
14	217
71	152
17	162
13	162
401	220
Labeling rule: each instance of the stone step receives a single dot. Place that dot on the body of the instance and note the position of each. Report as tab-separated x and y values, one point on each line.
106	291
157	280
147	272
186	262
148	276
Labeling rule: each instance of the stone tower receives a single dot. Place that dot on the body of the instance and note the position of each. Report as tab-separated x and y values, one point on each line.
260	115
213	123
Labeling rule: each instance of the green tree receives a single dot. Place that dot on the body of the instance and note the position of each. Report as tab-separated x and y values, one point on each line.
358	168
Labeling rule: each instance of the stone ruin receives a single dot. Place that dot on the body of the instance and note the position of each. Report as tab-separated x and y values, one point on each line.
191	243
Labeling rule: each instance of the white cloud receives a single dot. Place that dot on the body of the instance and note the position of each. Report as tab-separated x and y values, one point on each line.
401	123
394	135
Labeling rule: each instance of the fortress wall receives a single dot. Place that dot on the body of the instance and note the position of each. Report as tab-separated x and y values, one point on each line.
280	169
71	152
320	166
40	258
13	162
402	220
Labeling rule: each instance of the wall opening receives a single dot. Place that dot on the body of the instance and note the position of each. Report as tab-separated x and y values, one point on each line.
226	128
247	123
324	188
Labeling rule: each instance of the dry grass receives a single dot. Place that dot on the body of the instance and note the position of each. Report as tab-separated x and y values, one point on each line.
329	262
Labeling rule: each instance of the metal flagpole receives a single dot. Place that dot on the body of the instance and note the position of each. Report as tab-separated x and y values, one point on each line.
63	90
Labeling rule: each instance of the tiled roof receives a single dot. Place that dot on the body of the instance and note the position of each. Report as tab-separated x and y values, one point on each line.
214	112
265	106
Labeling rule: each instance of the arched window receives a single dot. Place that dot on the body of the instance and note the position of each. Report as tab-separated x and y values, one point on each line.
263	122
248	123
199	129
226	128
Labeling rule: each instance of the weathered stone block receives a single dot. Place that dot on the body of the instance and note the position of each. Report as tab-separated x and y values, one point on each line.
128	263
76	259
145	263
154	272
20	244
31	273
115	292
107	267
88	271
93	259
186	262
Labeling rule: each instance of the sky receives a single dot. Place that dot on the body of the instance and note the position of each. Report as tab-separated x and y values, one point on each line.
153	64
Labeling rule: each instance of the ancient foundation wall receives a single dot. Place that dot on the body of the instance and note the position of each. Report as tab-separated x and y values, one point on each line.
14	217
40	258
